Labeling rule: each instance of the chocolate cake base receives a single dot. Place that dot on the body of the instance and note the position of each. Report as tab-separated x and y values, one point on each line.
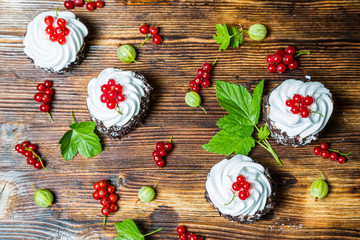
120	131
248	219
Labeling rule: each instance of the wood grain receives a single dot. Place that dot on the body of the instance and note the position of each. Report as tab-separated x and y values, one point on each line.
329	29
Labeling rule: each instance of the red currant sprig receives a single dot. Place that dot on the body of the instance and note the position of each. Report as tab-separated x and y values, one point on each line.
332	154
112	95
183	235
57	32
153	30
284	59
162	149
105	192
241	188
44	96
91	5
30	151
301	105
203	77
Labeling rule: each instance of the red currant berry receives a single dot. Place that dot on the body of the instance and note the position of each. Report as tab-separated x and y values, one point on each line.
102	192
281	52
180	229
17	147
118	88
111	104
38	165
192	237
104	98
197	80
25	143
289	103
287	59
246	185
297	98
195	88
111	82
333	156
59	31
269	59
294	65
317	150
99	4
79	3
168	146
200	72
144	29
323	145
153	30
242	195
33	147
105	201
49	92
90	6
159	145
156	39
157	158
66	31
295	110
308	100
271	68
240	179
38	97
120	98
341	159
183	236
277	58
96	195
46	98
104	183
191	84
162	152
324	154
206	75
49	30
48	83
156	153
44	107
27	153
61	39
53	37
105	88
160	163
304	113
206	83
96	186
110	189
41	87
105	210
113	197
61	22
291	50
21	150
31	161
69	4
49	20
112	94
113	207
236	186
199	238
281	68
207	67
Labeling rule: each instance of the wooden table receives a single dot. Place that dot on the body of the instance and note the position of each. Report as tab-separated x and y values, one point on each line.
329	29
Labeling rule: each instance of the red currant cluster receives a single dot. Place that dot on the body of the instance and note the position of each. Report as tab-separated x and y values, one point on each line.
300	105
330	153
56	33
284	59
112	95
30	151
242	186
91	5
156	38
183	235
162	149
105	192
202	78
44	95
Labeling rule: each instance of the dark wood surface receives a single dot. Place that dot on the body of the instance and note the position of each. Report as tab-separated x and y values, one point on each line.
329	29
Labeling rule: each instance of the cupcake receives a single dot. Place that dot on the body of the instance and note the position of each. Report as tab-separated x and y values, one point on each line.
55	41
296	111
118	101
240	189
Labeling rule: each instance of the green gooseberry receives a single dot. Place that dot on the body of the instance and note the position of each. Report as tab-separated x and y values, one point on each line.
193	99
146	194
126	53
43	197
257	32
319	188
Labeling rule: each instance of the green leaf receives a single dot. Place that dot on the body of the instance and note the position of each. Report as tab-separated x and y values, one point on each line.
222	36
227	143
80	139
127	230
263	133
232	123
256	102
237	37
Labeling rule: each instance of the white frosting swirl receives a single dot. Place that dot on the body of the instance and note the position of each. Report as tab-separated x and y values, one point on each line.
52	55
133	89
224	174
293	124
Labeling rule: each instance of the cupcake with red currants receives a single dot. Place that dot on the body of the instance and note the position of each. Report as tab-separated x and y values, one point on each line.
55	41
296	111
118	101
240	189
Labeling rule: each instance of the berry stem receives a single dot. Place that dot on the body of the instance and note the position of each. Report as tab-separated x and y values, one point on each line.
214	62
118	110
231	200
156	184
203	109
147	38
171	138
57	12
312	111
104	223
298	53
322	176
152	232
32	186
72	116
38	157
268	147
48	113
343	154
